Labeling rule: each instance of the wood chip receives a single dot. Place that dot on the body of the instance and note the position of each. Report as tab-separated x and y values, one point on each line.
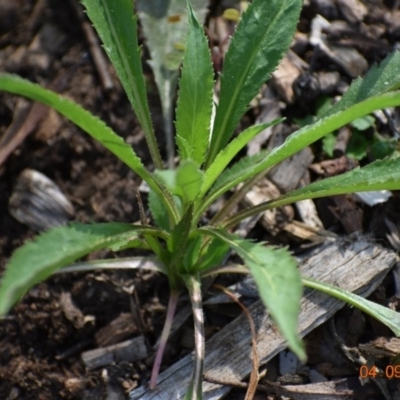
129	350
38	202
228	352
353	11
119	329
283	78
71	311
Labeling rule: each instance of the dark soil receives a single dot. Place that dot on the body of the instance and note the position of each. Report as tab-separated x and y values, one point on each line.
40	347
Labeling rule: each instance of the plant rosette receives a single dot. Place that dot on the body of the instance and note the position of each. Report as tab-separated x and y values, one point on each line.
183	249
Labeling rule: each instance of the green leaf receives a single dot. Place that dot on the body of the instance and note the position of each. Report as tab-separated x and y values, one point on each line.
363	123
358	145
385	315
37	260
178	240
383	148
379	80
278	281
328	144
158	211
193	113
226	155
115	23
302	138
262	37
75	113
165	25
379	175
214	255
90	124
329	123
189	179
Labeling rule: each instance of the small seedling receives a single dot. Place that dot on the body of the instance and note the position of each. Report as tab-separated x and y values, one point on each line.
185	250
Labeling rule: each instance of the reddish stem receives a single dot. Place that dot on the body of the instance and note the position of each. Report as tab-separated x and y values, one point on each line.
172	302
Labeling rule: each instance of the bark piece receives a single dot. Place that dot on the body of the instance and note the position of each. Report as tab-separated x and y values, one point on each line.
71	311
353	11
228	355
316	391
129	350
326	8
38	202
283	78
118	329
272	220
287	175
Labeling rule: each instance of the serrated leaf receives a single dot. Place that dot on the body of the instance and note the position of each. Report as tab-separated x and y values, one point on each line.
383	314
158	211
179	237
329	123
378	80
165	25
91	124
87	122
262	37
329	143
304	137
226	155
116	25
379	175
278	281
189	179
37	260
192	254
193	113
214	255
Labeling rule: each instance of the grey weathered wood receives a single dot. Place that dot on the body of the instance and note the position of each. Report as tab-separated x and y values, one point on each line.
358	266
38	202
129	350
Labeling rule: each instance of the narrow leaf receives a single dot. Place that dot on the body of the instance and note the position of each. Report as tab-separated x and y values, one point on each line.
158	211
213	256
379	175
115	23
179	238
37	260
302	138
189	179
388	317
262	37
193	113
278	280
230	151
165	25
379	79
90	124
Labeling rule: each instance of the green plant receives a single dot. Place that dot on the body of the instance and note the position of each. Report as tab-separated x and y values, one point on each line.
184	250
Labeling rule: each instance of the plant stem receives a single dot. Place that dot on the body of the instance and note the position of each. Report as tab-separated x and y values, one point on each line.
173	301
194	287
